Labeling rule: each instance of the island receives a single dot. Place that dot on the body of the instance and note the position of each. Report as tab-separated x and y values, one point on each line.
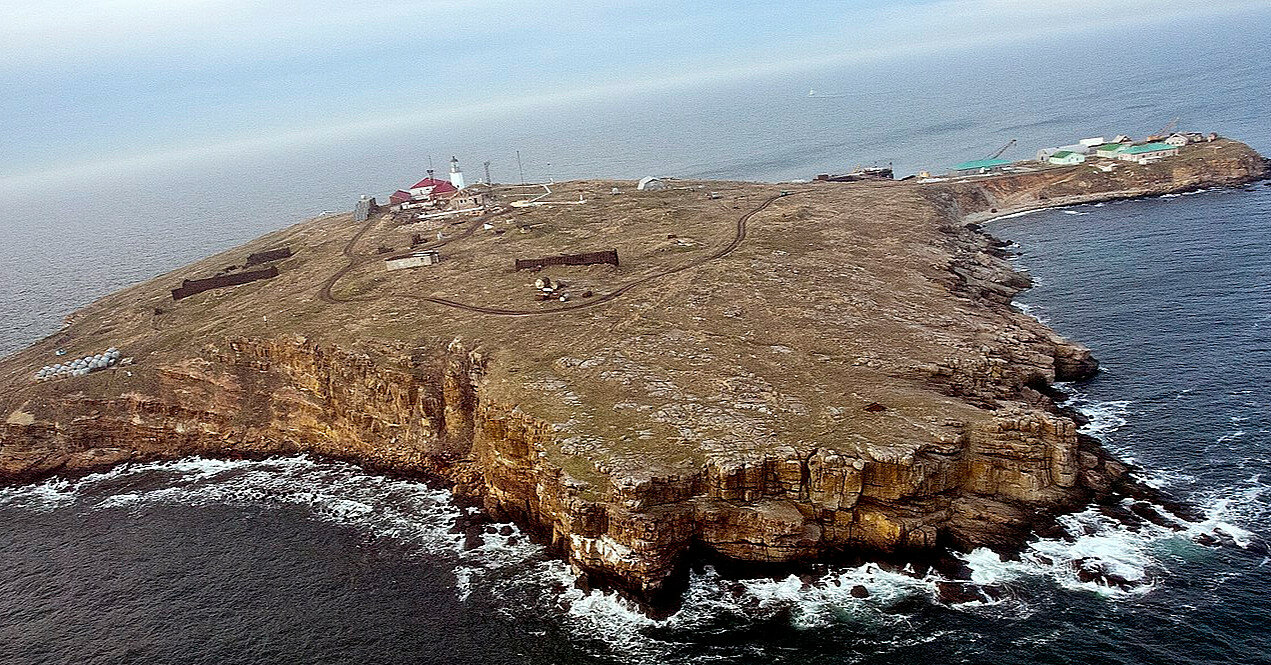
637	374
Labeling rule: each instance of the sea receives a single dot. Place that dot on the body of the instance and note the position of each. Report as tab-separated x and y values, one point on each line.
300	560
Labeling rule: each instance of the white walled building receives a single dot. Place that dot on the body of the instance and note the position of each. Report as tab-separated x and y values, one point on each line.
413	260
1066	158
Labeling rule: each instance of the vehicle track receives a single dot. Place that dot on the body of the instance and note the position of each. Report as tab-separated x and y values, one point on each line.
739	235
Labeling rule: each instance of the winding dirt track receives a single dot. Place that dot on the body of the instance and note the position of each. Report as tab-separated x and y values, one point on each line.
355	260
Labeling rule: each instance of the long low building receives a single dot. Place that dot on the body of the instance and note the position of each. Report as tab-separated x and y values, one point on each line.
980	166
1109	150
1148	152
418	259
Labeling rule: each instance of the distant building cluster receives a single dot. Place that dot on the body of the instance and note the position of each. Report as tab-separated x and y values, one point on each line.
434	197
1119	148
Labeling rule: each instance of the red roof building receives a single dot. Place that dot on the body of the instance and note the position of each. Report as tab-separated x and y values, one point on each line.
427	189
430	186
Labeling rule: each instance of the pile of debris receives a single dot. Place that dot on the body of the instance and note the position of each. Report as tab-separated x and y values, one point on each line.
80	366
549	290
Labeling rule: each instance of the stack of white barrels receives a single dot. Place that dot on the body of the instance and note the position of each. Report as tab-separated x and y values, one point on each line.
79	366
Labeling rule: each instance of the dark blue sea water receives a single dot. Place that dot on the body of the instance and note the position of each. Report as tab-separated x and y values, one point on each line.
301	561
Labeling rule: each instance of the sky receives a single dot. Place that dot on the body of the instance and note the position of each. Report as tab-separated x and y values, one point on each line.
99	86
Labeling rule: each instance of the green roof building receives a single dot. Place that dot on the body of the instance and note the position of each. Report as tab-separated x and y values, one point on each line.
980	166
1148	152
1109	149
1148	147
1067	158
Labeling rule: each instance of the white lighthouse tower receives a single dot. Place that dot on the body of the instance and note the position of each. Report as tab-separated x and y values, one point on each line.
456	176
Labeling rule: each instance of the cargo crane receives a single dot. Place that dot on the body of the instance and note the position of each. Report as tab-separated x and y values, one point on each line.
1003	149
1165	131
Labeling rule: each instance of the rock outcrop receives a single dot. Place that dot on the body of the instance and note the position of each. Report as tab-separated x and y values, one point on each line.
851	378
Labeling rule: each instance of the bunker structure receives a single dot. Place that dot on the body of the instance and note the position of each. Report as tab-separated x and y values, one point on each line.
260	258
190	287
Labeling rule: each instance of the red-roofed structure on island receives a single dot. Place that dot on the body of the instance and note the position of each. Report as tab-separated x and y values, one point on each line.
431	187
423	193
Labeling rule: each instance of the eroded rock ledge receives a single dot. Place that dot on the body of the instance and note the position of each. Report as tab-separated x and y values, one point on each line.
852	379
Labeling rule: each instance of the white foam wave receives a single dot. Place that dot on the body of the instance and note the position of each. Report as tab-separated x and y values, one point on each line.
336	493
1103	555
1125	559
1231	436
1106	416
1029	310
1075	212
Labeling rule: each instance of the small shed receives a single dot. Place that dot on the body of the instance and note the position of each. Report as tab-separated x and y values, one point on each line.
1093	141
1177	140
427	257
650	183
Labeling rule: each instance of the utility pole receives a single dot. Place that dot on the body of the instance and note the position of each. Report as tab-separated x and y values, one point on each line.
520	167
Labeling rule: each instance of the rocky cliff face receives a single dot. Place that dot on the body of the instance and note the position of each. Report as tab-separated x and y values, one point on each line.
910	413
427	413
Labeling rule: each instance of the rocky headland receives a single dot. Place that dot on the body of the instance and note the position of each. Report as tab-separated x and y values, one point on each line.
773	373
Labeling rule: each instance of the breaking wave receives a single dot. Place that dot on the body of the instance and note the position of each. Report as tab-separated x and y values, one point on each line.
498	568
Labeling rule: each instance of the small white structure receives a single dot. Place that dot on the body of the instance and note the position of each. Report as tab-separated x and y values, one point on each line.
1077	148
427	257
1177	140
1066	158
456	176
1092	142
1045	153
651	184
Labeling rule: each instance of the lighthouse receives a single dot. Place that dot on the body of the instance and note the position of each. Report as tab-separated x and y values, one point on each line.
456	176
